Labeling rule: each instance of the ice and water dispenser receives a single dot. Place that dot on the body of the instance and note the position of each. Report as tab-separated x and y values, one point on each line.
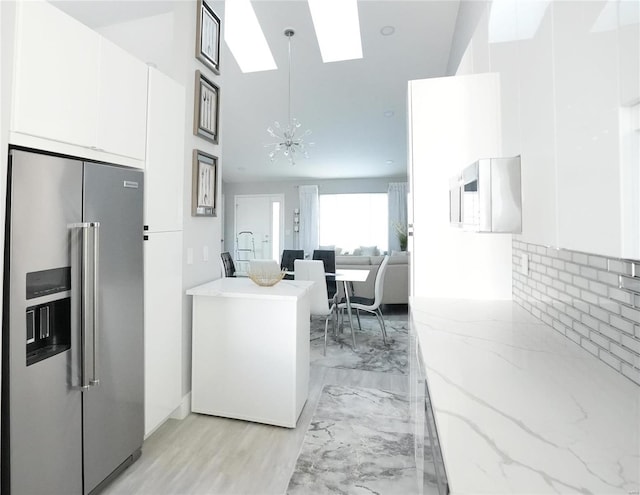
48	329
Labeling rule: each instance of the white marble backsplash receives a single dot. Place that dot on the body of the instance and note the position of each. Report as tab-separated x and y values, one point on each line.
520	409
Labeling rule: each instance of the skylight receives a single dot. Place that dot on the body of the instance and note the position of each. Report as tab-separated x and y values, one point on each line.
511	20
245	38
337	28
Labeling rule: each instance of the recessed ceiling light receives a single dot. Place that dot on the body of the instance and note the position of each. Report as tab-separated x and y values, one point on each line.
387	30
245	38
337	27
389	162
389	113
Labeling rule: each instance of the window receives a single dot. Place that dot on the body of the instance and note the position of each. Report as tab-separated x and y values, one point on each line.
349	221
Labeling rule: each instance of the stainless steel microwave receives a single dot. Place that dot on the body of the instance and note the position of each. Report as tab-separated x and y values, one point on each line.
487	196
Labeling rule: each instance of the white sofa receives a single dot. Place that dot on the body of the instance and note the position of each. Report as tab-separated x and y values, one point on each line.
396	279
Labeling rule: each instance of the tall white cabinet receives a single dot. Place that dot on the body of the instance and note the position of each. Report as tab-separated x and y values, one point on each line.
163	248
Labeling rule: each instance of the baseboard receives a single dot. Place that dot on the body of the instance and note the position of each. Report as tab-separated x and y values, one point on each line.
184	409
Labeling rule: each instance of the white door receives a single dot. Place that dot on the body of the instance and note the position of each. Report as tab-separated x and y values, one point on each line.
259	232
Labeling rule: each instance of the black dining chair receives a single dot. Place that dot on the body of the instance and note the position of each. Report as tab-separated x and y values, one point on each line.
228	268
328	257
288	258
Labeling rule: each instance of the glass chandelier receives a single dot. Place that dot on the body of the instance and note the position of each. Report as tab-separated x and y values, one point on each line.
289	139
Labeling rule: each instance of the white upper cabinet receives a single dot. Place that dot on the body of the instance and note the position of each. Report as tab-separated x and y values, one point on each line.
122	112
74	91
165	153
56	76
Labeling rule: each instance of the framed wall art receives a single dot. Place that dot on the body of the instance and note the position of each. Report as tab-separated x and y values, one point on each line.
208	37
205	184
207	109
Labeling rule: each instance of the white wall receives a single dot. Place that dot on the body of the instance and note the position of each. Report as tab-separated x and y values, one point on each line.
291	198
454	121
568	91
167	41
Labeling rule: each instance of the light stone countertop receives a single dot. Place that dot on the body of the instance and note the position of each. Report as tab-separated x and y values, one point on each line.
245	287
521	409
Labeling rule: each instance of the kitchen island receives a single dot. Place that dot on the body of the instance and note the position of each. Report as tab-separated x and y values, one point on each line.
521	409
251	350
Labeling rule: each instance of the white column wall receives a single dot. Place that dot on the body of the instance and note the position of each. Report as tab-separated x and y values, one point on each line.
454	121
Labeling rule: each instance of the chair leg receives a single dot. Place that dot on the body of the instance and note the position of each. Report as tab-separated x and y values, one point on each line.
358	317
326	326
378	314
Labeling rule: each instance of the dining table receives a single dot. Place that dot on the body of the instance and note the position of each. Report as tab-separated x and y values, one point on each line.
345	276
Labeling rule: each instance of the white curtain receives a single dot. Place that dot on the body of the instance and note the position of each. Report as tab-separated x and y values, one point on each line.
308	237
397	212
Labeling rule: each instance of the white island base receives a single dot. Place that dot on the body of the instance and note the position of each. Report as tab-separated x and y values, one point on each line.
251	350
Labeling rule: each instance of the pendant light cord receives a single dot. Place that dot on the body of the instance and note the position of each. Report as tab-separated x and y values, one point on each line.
289	33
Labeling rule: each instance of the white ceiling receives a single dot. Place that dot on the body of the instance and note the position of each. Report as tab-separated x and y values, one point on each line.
343	103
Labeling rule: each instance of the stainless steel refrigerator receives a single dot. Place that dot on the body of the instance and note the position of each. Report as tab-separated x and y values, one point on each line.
72	353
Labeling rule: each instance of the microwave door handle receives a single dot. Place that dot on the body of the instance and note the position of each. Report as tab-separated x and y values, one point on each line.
96	283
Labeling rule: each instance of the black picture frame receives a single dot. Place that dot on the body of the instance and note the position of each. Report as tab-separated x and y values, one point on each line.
208	37
204	191
206	114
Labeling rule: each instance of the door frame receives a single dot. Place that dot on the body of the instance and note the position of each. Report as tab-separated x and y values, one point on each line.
275	196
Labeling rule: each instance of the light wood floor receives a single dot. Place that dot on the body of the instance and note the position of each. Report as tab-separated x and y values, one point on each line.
210	455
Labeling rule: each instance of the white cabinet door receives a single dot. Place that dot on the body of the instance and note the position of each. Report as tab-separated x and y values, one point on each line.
122	112
56	76
162	327
165	153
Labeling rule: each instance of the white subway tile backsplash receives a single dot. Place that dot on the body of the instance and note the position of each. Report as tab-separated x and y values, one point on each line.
620	266
573	291
609	332
599	313
580	282
623	354
620	295
630	343
630	313
610	359
585	271
631	373
598	262
621	324
608	278
590	322
580	258
590	297
581	329
598	339
590	346
630	283
598	288
573	335
592	300
563	254
572	268
573	313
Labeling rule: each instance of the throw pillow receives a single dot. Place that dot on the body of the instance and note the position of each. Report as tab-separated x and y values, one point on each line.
399	253
329	247
369	251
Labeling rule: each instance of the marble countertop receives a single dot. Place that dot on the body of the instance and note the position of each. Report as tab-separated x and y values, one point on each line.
244	287
521	409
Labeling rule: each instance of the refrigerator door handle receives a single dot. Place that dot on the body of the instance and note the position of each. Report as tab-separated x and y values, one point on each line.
96	275
84	259
85	383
